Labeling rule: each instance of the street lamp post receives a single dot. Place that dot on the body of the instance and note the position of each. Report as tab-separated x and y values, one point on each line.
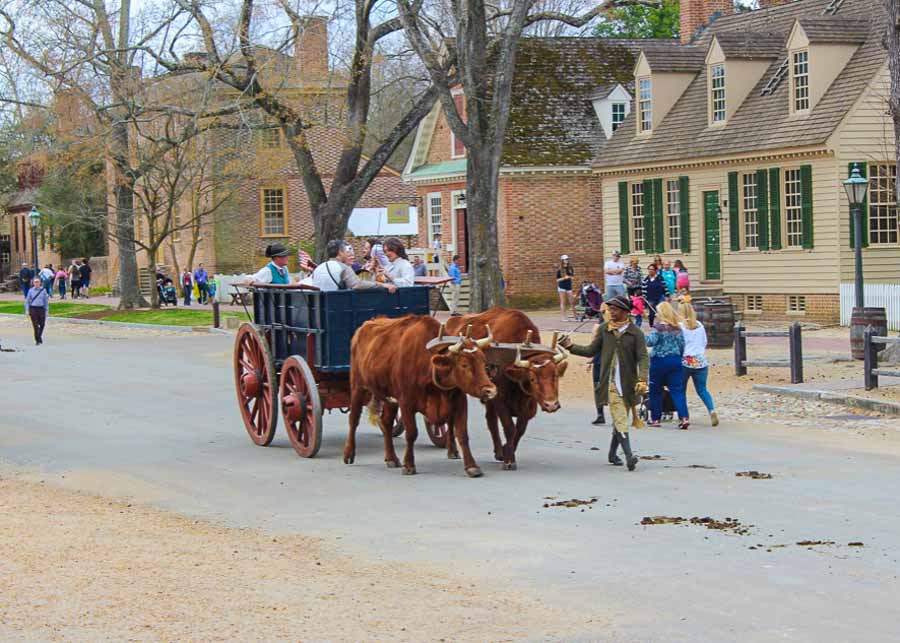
856	187
34	218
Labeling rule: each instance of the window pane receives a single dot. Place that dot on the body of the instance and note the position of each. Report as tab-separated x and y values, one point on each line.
618	115
793	208
434	214
800	73
673	213
273	211
717	87
882	203
637	215
644	105
749	204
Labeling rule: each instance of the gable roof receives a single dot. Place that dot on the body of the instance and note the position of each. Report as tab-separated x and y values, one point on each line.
674	57
834	30
750	44
684	133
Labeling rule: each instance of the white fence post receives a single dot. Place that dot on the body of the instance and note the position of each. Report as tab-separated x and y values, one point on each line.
885	296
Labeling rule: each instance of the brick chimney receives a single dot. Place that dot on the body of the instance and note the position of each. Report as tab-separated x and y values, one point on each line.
311	48
697	13
768	4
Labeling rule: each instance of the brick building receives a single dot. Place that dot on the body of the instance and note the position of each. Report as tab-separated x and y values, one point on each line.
253	174
15	228
569	95
733	157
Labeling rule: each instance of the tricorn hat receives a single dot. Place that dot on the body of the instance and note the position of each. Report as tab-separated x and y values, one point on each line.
277	250
620	301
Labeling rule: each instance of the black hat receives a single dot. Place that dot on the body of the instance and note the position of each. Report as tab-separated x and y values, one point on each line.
277	250
620	302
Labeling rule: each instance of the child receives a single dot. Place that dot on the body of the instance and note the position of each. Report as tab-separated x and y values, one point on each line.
637	309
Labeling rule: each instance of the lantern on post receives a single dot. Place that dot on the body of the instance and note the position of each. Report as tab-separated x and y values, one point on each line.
34	220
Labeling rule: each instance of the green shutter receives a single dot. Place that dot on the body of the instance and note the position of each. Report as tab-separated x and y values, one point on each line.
806	201
623	218
775	208
649	239
684	208
659	232
734	219
762	208
863	172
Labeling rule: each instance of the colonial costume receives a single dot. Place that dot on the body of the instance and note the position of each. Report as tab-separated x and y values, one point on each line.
272	273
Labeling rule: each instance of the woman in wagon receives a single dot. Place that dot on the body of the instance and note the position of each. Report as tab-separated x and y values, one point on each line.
276	271
336	273
398	271
623	373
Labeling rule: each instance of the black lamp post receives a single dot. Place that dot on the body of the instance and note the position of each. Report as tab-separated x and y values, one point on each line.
34	219
856	187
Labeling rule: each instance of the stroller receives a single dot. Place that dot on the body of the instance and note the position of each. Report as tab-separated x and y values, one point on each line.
589	301
167	294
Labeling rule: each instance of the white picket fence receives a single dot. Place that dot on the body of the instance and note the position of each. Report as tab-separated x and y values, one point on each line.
885	296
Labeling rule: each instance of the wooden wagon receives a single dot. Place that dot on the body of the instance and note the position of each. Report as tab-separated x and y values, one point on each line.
296	356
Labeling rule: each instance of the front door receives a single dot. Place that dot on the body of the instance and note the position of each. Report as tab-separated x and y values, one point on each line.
711	226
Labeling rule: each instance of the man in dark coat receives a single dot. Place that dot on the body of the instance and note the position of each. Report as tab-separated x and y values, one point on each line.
624	365
26	274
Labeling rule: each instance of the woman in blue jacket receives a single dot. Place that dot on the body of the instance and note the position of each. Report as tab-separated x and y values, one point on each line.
667	342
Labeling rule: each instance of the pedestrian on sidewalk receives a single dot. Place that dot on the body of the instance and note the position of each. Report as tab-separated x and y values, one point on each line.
653	290
455	286
669	277
201	278
637	309
419	267
37	307
682	279
667	341
187	285
212	287
633	277
85	271
694	364
623	373
564	275
614	273
26	276
47	275
75	279
61	278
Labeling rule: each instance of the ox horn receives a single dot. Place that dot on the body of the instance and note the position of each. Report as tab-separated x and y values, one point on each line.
456	347
469	331
555	339
527	341
486	341
561	355
441	331
521	363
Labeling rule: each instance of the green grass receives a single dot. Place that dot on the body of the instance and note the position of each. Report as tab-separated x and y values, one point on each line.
100	290
168	317
60	309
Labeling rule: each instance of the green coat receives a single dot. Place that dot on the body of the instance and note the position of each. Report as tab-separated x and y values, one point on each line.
631	348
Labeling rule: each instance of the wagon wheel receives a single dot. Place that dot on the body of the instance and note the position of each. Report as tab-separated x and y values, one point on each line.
300	406
437	433
254	381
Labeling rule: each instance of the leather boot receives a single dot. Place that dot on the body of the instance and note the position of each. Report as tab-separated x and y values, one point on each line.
630	458
601	418
613	447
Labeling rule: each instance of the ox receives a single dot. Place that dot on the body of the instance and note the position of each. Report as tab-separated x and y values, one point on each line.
406	363
523	385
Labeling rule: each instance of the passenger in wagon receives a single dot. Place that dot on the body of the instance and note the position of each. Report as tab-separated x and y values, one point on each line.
276	271
336	274
399	271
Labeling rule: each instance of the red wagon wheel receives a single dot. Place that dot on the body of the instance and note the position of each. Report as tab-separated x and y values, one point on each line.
300	406
254	381
437	433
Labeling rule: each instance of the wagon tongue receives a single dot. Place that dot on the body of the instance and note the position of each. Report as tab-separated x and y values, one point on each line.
501	354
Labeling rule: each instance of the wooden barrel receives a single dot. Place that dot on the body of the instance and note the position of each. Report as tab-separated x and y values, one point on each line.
862	317
718	319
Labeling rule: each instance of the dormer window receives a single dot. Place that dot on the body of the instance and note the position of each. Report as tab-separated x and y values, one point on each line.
645	110
618	115
717	93
800	80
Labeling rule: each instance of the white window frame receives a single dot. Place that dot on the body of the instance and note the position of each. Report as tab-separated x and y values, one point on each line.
717	94
615	123
883	205
800	81
749	208
430	209
645	105
673	214
636	221
792	202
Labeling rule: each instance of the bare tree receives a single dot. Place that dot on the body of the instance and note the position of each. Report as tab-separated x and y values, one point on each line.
485	40
248	69
892	43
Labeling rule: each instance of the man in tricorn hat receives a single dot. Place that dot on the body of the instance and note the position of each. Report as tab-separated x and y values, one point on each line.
623	372
274	272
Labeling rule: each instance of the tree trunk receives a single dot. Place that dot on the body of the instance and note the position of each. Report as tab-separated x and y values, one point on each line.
482	174
129	289
330	222
892	7
154	291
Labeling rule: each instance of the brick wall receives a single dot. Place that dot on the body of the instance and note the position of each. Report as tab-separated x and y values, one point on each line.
696	13
825	309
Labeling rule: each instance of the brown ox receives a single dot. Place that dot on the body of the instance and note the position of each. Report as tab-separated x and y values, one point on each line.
521	386
391	365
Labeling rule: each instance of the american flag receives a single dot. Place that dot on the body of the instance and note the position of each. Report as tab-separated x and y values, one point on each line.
305	261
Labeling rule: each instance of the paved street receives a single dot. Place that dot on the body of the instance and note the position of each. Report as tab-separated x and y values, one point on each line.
154	420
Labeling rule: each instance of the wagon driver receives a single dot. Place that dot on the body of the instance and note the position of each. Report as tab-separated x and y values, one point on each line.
276	271
624	366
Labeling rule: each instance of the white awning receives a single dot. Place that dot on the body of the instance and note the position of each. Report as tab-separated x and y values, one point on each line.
373	222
